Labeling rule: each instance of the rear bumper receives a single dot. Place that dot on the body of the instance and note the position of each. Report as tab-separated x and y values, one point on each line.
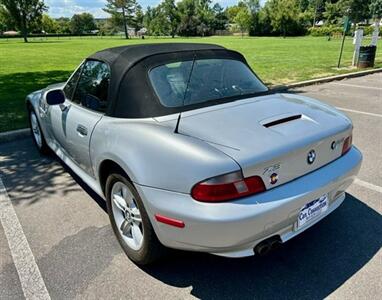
235	228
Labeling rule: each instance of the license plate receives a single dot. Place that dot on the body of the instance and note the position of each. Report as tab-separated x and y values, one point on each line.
312	210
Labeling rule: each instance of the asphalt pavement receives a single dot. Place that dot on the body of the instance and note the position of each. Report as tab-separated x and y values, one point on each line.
56	241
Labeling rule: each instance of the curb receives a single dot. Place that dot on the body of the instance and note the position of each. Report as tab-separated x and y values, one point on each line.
324	79
13	135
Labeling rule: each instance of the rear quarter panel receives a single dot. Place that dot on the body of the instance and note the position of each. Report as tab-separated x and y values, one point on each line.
153	155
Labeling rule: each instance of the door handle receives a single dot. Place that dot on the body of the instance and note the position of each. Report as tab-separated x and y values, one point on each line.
82	131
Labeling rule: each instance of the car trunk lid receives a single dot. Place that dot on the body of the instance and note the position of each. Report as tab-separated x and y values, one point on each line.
271	136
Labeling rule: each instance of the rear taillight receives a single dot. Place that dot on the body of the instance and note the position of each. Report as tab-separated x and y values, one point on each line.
227	187
347	144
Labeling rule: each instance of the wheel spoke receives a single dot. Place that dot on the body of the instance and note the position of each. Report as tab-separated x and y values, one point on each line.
136	215
124	192
137	234
119	202
126	228
130	201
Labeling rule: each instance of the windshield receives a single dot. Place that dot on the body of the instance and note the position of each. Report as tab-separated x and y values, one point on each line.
195	81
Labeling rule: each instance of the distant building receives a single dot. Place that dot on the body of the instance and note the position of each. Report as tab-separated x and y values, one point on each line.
10	33
142	31
319	23
130	31
380	24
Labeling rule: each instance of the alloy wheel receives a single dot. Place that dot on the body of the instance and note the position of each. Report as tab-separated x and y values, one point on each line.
127	215
36	129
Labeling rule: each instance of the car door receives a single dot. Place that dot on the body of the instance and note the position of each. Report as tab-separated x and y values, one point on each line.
85	104
57	114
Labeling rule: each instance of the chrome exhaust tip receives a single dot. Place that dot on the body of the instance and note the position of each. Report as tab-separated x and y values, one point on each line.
264	247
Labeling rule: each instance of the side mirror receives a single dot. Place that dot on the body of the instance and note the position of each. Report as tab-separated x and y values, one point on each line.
55	97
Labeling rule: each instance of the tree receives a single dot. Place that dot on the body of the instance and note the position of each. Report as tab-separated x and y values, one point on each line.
188	17
205	17
63	25
82	23
265	25
172	16
6	21
123	12
48	25
138	20
376	9
243	20
254	8
358	10
220	21
334	12
156	22
232	11
24	13
284	16
376	13
316	8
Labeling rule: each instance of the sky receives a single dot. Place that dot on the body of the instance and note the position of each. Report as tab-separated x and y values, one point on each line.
67	8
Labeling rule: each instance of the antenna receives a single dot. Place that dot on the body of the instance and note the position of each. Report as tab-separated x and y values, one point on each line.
177	123
185	93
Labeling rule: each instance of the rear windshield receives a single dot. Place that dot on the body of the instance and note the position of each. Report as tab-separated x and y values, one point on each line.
195	81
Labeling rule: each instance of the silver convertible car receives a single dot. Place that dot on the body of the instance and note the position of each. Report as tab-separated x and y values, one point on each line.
191	150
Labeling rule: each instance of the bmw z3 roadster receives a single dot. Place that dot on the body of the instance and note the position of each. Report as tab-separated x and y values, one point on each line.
191	150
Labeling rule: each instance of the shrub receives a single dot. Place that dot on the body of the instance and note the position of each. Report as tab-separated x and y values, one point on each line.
325	30
367	30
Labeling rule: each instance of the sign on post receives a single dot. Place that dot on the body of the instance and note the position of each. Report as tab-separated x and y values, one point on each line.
346	29
346	24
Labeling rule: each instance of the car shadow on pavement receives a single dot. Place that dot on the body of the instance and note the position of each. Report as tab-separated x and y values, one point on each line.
86	254
30	177
310	266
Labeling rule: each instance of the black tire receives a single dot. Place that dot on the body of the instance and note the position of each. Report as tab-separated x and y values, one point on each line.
43	148
151	249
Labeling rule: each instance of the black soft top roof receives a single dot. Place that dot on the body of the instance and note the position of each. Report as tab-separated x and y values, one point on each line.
130	93
129	55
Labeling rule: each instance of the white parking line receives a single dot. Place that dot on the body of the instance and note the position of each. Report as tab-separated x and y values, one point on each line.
360	112
368	185
358	86
32	283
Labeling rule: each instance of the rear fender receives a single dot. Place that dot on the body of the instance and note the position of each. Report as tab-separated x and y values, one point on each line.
153	155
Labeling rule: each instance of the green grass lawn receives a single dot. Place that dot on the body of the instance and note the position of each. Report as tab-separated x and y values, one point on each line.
28	67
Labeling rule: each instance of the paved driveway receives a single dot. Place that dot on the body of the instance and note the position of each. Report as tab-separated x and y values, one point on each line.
65	247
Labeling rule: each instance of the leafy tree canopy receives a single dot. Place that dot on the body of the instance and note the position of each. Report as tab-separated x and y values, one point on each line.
82	23
25	14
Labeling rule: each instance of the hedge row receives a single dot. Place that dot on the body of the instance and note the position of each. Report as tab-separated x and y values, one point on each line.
36	35
333	30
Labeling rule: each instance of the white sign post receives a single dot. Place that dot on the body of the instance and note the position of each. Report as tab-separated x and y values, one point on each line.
374	37
357	42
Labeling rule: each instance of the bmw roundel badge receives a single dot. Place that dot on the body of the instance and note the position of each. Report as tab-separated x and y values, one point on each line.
311	157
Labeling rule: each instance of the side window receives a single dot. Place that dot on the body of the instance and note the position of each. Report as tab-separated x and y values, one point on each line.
71	84
93	85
